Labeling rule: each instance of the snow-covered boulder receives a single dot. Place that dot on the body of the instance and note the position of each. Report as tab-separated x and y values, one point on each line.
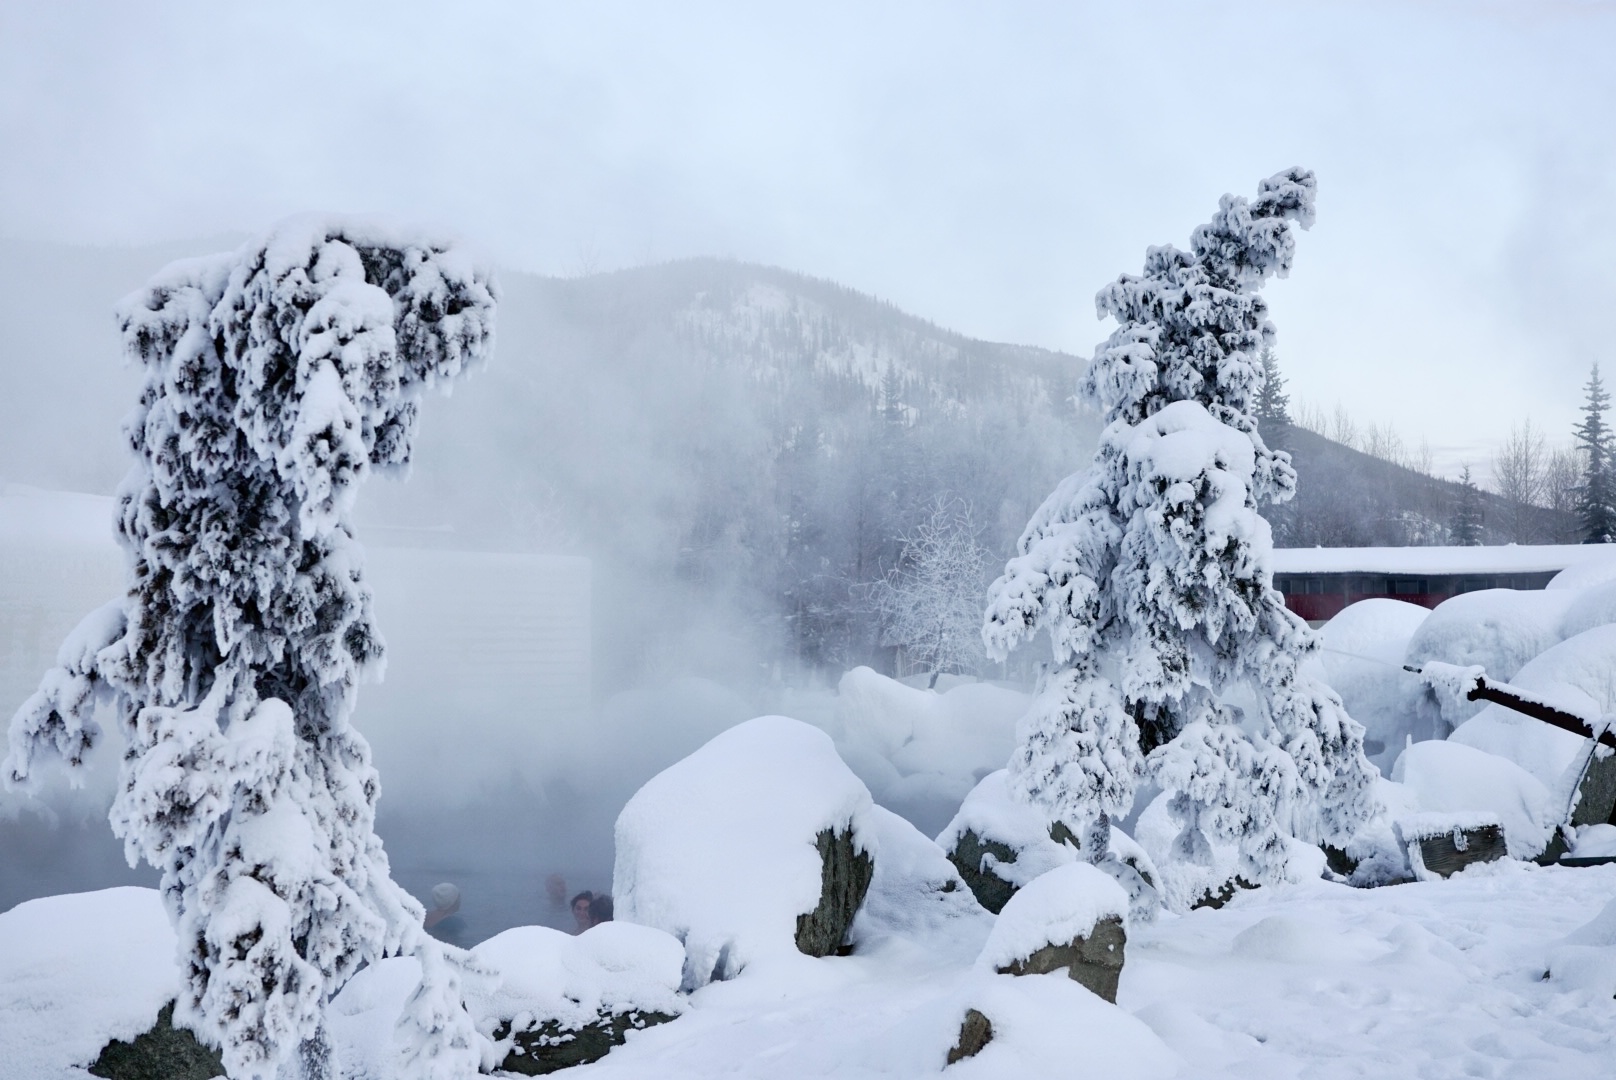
1448	777
917	896
78	972
921	751
759	843
552	1000
999	844
1071	919
1362	661
1499	629
1074	917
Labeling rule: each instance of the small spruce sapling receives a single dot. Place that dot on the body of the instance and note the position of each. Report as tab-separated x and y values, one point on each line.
1175	658
276	379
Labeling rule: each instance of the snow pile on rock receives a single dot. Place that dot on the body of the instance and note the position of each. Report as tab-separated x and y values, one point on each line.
615	967
719	849
921	751
999	844
77	971
917	895
1449	778
555	986
1055	909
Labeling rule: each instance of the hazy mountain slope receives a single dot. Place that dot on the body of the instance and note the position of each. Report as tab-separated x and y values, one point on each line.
1346	498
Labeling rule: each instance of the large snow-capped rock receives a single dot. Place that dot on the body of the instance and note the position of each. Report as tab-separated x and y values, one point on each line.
760	843
78	971
1072	918
1447	776
999	844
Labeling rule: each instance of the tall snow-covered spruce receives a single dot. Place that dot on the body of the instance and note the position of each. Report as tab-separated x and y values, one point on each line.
277	378
1176	660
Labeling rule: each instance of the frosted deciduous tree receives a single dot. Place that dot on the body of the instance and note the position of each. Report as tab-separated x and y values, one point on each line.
276	379
1518	474
931	603
1174	656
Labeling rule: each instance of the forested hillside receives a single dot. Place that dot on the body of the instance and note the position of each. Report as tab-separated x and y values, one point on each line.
1347	498
740	448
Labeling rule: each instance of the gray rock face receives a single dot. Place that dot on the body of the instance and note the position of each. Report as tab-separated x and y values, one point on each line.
163	1053
975	1032
845	875
990	890
1447	854
548	1047
1095	960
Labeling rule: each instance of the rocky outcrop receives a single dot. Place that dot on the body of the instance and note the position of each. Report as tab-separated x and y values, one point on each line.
990	890
1094	959
976	1031
548	1047
845	874
165	1052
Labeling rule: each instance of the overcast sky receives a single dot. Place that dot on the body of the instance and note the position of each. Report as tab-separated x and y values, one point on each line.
985	166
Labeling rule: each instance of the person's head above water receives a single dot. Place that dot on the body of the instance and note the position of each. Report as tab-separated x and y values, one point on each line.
445	902
600	909
580	910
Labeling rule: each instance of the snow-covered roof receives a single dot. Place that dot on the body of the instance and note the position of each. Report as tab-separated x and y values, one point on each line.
1508	559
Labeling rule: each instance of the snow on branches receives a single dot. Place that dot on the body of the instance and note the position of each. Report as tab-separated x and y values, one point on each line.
1176	659
931	601
277	378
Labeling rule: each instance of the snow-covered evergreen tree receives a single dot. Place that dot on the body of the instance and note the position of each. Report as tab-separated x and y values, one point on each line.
1175	657
277	378
1468	515
931	603
1596	500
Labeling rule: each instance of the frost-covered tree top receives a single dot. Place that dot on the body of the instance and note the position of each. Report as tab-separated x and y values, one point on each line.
277	377
1150	571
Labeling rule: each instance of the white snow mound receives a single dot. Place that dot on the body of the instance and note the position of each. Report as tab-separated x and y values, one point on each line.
993	813
718	849
1054	909
918	750
615	967
78	971
1449	778
917	895
1499	629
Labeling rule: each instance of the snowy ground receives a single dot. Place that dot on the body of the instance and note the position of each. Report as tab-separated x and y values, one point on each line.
1439	979
1428	980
